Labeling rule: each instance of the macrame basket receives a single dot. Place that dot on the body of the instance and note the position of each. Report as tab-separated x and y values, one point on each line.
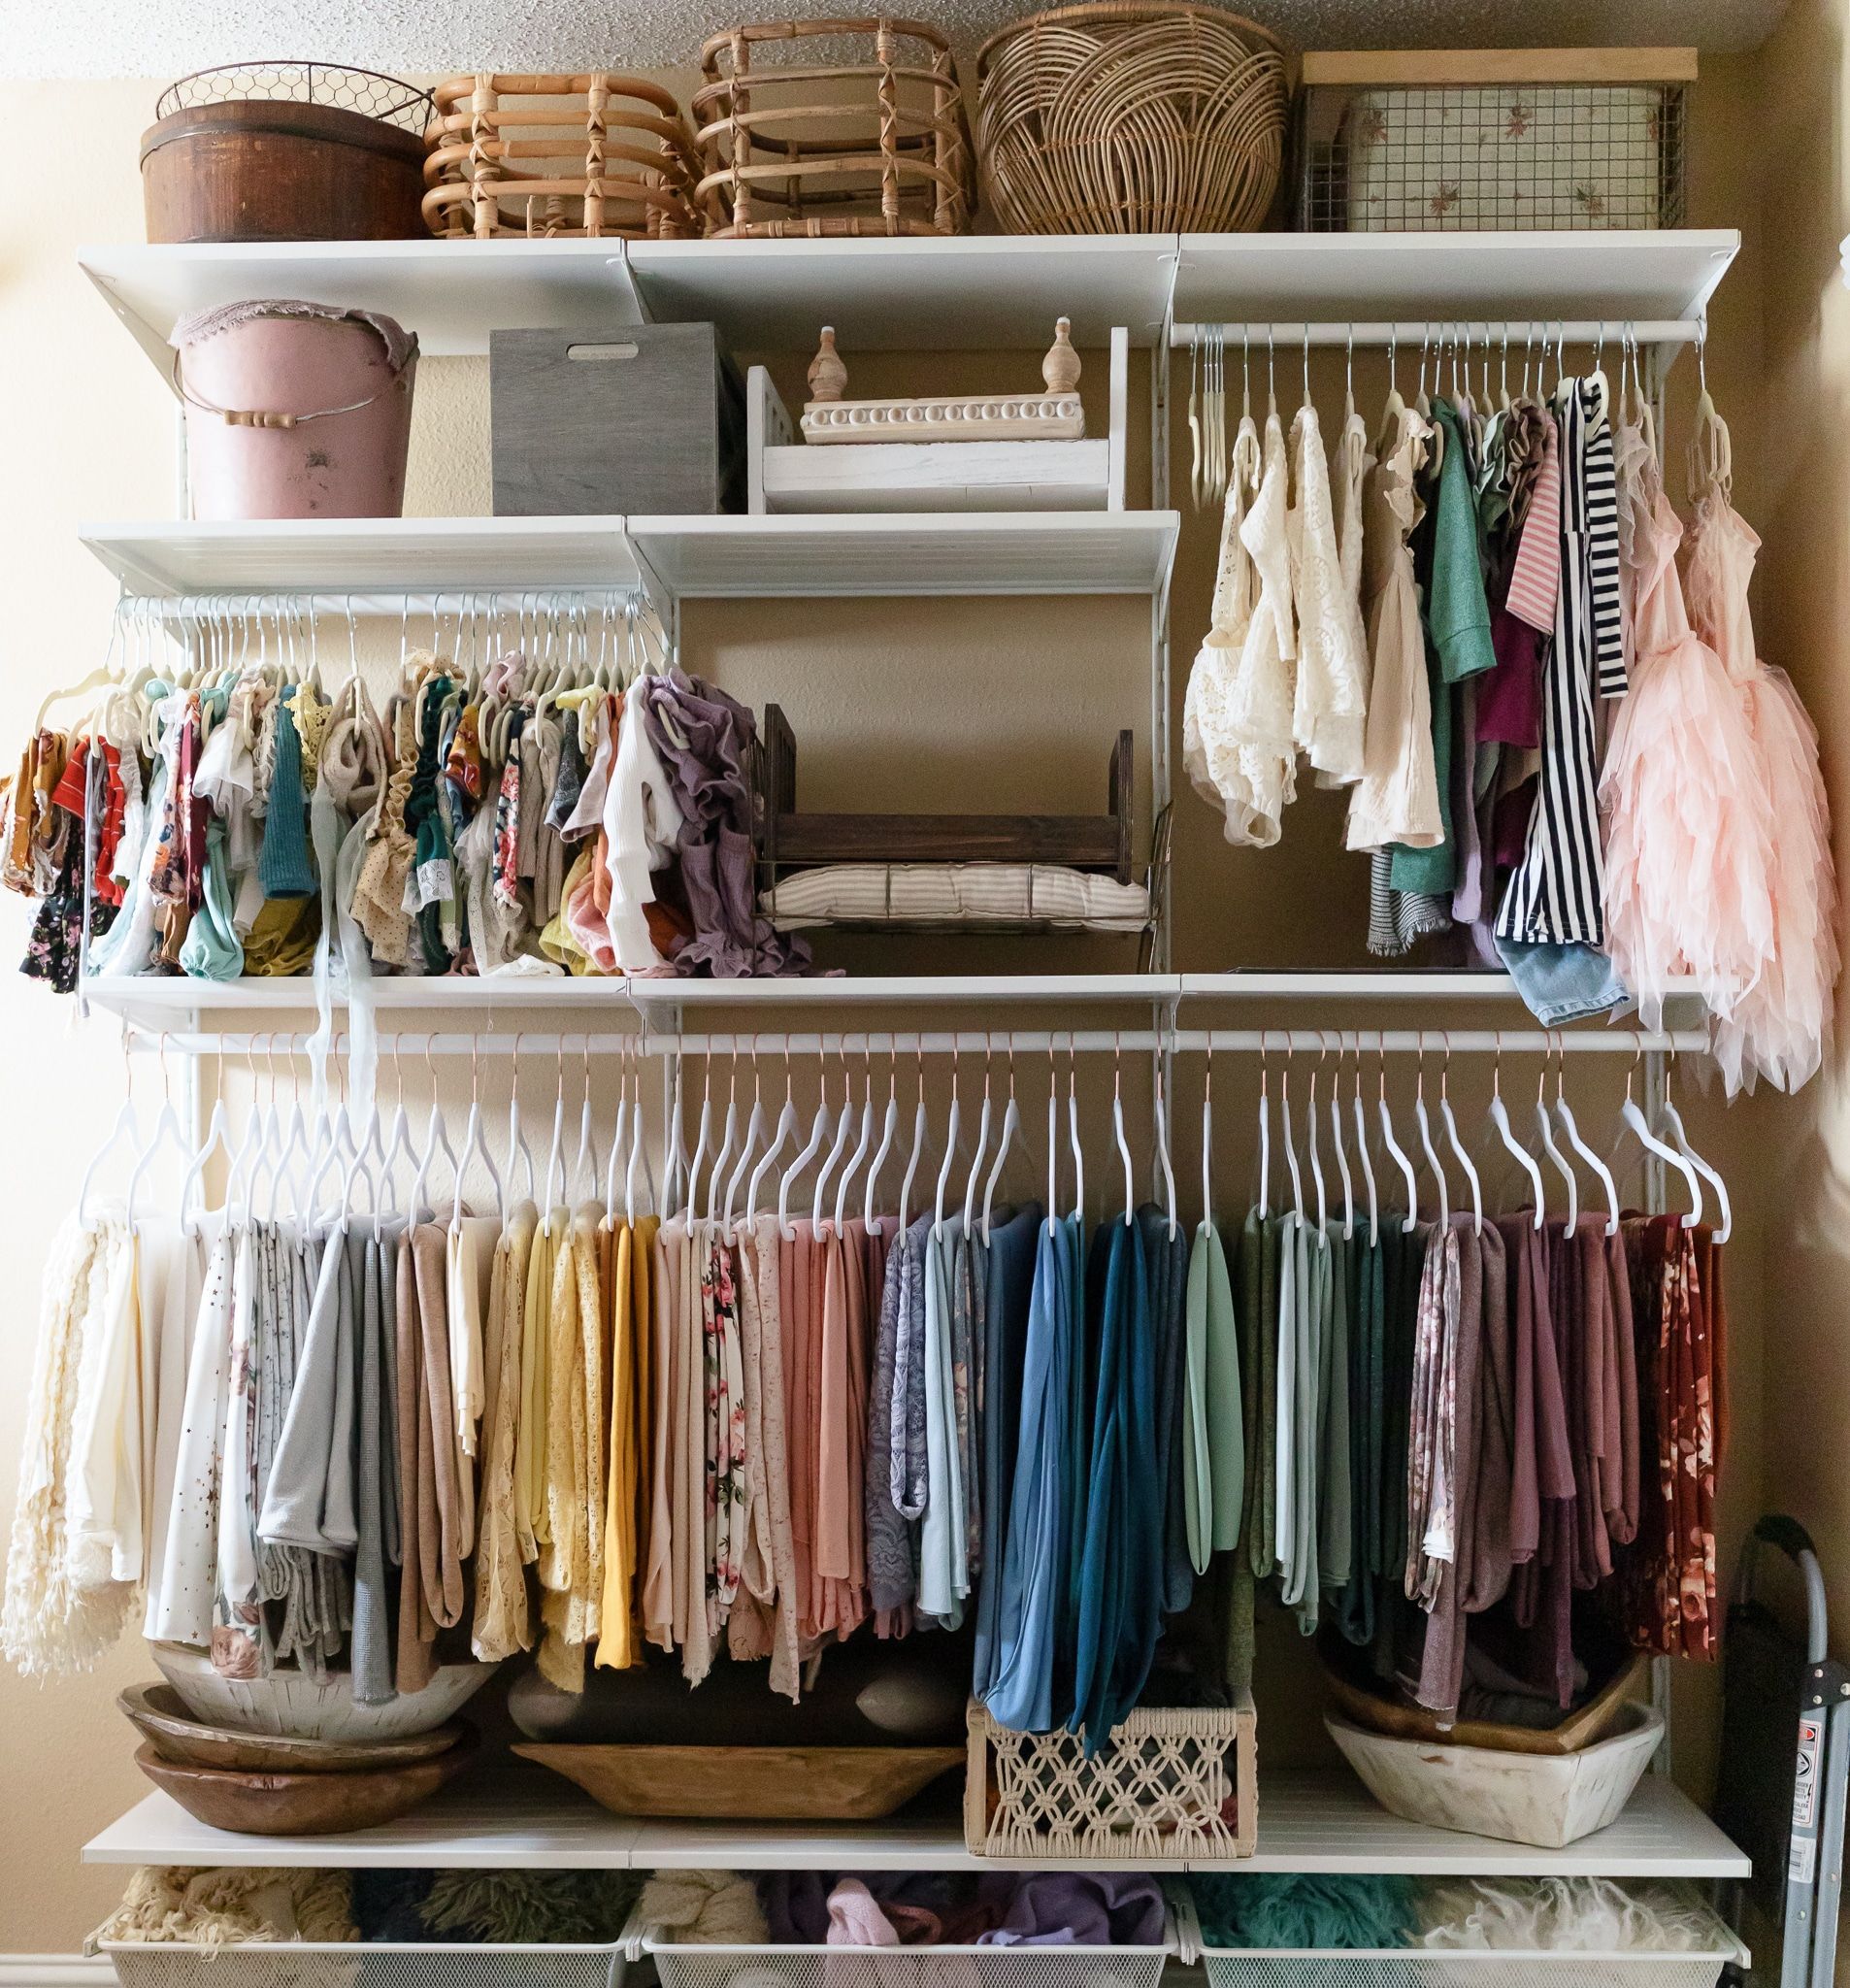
1130	117
1168	1786
558	155
840	139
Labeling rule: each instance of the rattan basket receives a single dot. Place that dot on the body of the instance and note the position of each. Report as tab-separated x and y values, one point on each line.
833	143
542	155
1130	117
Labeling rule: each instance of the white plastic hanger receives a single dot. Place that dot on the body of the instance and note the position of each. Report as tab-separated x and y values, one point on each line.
1564	1113
618	1136
399	1143
1393	1144
475	1141
1672	1120
919	1145
1117	1126
844	1132
1458	1144
584	1162
1285	1129
1208	1138
167	1132
1635	1118
889	1131
436	1140
1053	1138
953	1126
1265	1132
788	1127
517	1146
1342	1157
217	1134
1073	1129
818	1134
1311	1114
1520	1153
1426	1141
865	1142
675	1162
720	1172
983	1142
639	1147
750	1147
1164	1166
1011	1133
1361	1119
1556	1158
689	1196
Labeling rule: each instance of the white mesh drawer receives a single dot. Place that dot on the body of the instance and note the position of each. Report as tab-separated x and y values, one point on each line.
298	1964
938	1967
1401	1968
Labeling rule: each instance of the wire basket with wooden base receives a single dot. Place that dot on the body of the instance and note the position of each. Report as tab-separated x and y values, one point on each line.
548	155
1130	117
833	143
1168	1785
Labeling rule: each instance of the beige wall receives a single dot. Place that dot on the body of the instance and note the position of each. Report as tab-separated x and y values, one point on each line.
1013	703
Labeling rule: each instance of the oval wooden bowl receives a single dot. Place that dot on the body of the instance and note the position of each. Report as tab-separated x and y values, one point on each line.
159	1714
301	1804
291	1705
763	1783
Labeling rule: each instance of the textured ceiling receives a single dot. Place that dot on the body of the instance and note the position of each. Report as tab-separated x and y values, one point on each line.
167	37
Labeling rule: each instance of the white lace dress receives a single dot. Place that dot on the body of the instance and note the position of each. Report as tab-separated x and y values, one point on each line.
1330	707
1236	718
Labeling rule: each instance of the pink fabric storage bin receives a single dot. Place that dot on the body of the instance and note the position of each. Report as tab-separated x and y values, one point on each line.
295	409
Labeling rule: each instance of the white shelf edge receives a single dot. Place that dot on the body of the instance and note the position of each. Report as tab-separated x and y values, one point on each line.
1316	1822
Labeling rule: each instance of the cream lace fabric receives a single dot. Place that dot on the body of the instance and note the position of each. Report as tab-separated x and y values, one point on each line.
1236	718
1331	703
1397	798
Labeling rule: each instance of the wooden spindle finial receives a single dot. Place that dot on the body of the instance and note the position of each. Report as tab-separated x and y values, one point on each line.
827	375
1060	369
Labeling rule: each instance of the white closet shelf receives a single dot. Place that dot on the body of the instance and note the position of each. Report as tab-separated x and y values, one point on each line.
1307	1822
1610	274
925	553
158	1002
367	555
976	292
452	294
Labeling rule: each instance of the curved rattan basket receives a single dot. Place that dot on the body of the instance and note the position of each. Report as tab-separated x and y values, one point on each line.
834	143
1128	117
598	154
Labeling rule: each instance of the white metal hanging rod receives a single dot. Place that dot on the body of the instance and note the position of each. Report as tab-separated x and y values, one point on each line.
451	603
964	1043
1495	331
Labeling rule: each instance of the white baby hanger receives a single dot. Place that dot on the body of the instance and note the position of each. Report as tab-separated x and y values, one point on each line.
167	1132
1556	1158
844	1131
1316	1156
1265	1133
1564	1113
1073	1129
217	1134
1360	1118
1011	1133
719	1175
865	1140
1117	1126
750	1147
517	1146
952	1125
690	1199
1161	1078
918	1144
982	1141
788	1127
1427	1147
1635	1118
1290	1144
1500	1118
889	1131
1458	1144
1208	1138
1393	1144
1672	1120
1053	1138
1336	1133
818	1135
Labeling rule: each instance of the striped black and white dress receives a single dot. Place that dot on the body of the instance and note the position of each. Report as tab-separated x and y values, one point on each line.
1555	896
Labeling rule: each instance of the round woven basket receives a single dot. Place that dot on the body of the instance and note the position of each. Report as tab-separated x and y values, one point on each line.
1130	117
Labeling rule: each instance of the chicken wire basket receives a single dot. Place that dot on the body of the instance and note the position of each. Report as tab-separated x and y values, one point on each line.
1168	1785
933	1967
330	84
1401	1968
1505	139
307	1964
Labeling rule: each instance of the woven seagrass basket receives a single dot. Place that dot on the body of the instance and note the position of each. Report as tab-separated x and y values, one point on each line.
1130	117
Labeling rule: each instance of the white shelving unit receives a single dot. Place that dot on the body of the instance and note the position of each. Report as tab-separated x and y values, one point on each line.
973	292
983	294
1307	1822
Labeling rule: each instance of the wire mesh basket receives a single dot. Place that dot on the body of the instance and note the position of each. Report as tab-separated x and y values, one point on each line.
330	84
383	1964
934	1967
1476	1968
1519	139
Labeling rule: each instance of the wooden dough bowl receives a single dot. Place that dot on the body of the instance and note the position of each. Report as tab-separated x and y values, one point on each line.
302	1805
762	1783
159	1714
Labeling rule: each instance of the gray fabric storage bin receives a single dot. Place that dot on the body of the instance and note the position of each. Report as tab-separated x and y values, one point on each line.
644	418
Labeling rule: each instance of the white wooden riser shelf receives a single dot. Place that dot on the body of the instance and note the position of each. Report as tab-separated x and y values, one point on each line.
974	292
957	553
1321	1822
